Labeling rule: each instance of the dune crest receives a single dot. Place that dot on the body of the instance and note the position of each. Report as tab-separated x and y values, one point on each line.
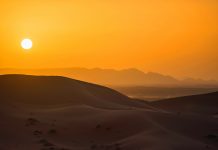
58	113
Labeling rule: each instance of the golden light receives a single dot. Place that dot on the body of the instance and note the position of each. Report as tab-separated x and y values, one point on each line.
26	44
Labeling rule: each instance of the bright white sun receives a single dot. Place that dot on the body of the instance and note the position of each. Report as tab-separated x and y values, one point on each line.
26	44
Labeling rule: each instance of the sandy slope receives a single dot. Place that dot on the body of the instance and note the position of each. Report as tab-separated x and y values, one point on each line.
204	104
93	123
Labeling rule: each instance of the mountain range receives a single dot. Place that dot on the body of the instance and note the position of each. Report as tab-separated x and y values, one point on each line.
111	77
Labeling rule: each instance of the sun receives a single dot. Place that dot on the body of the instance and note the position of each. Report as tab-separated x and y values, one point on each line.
26	44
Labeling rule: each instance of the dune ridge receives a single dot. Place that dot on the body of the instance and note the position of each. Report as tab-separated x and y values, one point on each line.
35	116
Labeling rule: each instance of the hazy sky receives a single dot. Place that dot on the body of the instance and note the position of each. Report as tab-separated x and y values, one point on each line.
175	37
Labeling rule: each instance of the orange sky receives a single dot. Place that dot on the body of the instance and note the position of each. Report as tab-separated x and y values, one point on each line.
175	37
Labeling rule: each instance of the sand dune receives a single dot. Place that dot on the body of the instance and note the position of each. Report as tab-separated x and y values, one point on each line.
198	104
56	90
56	113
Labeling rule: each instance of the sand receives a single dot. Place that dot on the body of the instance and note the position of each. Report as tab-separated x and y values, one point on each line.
103	119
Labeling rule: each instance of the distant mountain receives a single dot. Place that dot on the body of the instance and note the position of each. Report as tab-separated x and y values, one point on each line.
159	93
191	81
126	77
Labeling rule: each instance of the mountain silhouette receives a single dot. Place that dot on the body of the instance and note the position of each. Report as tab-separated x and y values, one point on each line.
112	77
102	76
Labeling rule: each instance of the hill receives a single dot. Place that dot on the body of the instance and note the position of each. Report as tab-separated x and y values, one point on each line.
203	103
58	113
55	90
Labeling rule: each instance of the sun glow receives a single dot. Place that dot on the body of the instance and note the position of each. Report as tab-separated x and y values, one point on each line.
149	35
26	44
